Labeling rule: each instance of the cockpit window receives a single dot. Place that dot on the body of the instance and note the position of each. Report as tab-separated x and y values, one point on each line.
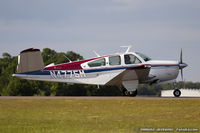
97	63
146	58
114	60
131	59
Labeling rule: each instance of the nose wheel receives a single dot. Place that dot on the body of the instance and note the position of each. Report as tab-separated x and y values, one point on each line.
177	92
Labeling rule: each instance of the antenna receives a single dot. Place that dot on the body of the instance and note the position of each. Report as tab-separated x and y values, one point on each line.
96	53
128	48
68	58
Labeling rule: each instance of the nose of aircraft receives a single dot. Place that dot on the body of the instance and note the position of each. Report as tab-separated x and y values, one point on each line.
182	65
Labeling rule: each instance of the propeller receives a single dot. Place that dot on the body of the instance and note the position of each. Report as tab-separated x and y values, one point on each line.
181	64
181	57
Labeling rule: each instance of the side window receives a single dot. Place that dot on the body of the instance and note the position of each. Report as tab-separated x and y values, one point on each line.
97	63
131	59
114	60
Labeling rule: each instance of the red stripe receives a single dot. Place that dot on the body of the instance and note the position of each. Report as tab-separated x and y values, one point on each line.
69	66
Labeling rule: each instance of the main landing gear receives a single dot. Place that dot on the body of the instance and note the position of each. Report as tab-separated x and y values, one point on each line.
129	93
177	92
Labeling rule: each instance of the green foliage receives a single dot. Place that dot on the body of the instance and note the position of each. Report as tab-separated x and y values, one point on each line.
48	55
153	90
10	86
51	56
18	87
6	56
108	91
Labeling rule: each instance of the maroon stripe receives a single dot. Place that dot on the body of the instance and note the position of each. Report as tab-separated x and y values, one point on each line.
70	66
29	50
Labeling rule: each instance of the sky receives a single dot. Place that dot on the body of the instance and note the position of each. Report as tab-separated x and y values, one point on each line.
158	28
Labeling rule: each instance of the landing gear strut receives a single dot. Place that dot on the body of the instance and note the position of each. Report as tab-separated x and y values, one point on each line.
176	92
129	93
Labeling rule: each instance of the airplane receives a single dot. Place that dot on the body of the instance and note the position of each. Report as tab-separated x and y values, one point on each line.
125	70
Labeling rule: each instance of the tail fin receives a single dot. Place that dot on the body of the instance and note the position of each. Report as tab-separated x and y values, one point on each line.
30	60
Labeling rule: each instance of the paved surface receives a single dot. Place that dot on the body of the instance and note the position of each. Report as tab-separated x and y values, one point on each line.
88	97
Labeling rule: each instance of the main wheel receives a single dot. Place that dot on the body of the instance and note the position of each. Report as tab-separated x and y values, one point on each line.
177	93
125	92
134	93
128	93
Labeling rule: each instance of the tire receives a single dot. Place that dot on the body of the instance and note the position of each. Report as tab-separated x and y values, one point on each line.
125	92
177	93
134	93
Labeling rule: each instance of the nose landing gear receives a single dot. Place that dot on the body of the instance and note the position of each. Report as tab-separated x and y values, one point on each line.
177	92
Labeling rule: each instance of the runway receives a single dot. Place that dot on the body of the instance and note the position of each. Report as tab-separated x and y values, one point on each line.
93	97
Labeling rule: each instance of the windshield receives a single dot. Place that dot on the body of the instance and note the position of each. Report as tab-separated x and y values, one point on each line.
146	58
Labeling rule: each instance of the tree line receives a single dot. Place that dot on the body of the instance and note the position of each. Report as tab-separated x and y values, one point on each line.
12	86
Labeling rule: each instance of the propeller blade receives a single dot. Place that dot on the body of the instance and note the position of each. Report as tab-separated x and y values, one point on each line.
181	57
182	74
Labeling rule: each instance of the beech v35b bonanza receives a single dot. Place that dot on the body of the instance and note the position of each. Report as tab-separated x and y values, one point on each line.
125	70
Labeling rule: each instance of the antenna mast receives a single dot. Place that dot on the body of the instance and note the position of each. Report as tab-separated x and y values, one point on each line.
68	59
128	48
96	53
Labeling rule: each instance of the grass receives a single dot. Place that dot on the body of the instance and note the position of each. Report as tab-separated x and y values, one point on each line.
98	115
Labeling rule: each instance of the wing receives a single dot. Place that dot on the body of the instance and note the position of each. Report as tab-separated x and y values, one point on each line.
139	73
